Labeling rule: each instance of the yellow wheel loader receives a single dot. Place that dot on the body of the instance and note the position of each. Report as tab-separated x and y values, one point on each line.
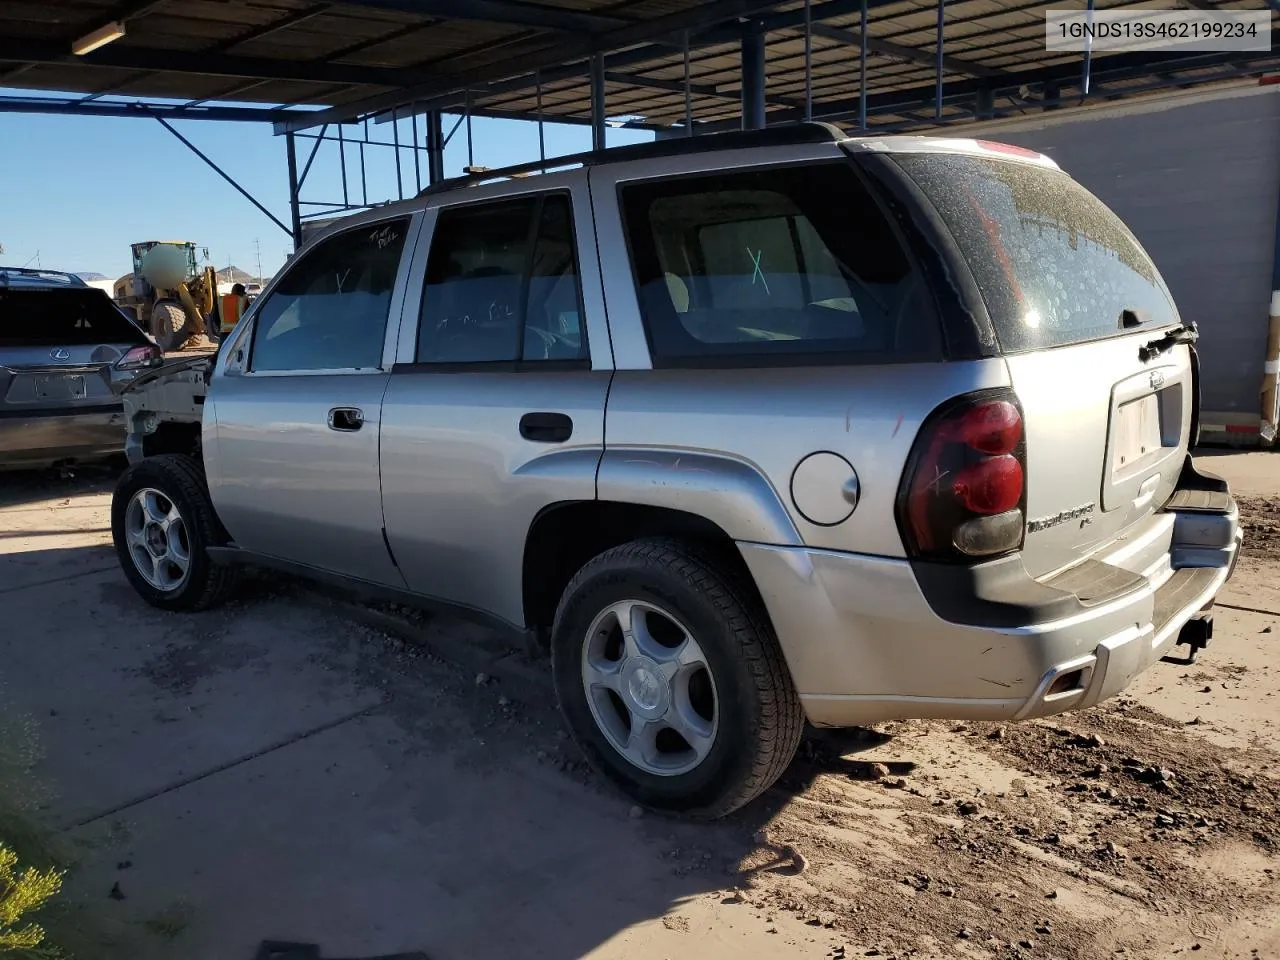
171	295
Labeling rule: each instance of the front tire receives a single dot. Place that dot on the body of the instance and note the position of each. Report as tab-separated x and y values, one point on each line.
162	521
671	679
170	323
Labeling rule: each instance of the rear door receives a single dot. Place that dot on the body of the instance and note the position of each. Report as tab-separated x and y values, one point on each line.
497	410
291	423
57	349
1081	314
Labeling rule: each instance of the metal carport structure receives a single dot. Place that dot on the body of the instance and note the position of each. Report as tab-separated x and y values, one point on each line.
329	72
359	75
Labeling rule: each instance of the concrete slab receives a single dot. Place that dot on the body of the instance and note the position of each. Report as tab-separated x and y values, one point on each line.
361	841
133	699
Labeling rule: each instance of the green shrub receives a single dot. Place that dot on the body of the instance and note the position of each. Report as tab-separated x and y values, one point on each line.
21	894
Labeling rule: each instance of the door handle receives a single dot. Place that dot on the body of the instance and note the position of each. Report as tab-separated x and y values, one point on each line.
546	427
346	419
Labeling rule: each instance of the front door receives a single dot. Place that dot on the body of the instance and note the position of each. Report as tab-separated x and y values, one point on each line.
291	440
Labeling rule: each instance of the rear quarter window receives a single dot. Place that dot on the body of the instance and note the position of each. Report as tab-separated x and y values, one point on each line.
1054	264
792	262
69	317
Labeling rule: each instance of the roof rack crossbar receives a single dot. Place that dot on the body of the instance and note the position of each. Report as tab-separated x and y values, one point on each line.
780	136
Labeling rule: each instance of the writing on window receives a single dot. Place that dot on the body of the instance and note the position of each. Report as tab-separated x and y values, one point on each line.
329	312
502	284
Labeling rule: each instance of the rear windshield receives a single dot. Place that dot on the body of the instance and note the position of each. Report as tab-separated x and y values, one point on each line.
62	318
1053	263
789	261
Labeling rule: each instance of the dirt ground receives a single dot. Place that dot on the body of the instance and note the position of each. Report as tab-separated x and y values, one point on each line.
1146	828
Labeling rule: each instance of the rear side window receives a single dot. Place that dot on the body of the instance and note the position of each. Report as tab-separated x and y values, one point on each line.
329	312
502	284
67	317
1054	265
794	261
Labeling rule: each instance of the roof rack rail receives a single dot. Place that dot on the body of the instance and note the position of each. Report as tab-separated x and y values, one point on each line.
783	135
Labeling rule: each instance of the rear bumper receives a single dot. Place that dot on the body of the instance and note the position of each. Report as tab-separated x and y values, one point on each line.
45	437
864	644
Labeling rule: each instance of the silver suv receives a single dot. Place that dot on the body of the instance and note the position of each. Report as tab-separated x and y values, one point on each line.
752	429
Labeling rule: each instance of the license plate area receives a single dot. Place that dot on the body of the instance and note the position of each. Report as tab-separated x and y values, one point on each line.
61	386
1145	435
1138	435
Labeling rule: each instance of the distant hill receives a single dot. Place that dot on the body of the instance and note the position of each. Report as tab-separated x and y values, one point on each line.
233	275
92	276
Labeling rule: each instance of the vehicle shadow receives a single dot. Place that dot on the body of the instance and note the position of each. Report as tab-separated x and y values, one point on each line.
570	866
18	487
293	774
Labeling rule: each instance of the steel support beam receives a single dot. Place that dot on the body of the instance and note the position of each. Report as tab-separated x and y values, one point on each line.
295	211
670	86
315	148
688	91
905	53
435	147
862	65
228	93
984	104
941	55
1067	74
571	50
597	103
699	36
212	64
1087	67
703	36
131	10
708	90
508	12
359	45
753	80
1269	405
273	26
293	174
1223	71
82	108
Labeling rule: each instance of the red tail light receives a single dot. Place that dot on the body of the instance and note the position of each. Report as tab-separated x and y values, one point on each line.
964	491
146	356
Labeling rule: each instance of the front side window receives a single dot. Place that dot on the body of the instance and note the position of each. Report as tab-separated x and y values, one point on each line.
329	312
502	284
796	260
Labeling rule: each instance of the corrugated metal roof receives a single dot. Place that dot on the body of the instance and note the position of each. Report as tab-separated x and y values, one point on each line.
303	52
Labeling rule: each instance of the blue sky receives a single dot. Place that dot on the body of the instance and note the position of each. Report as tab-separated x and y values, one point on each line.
80	190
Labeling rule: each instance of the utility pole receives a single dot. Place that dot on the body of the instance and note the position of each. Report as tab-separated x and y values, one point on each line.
257	249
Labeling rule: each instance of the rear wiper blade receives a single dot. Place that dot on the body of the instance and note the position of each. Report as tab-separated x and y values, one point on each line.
1187	333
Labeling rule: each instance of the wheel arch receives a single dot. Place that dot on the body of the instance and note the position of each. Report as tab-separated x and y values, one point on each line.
733	494
565	535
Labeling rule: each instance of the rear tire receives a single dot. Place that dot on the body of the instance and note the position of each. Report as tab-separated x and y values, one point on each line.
169	321
692	709
162	522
